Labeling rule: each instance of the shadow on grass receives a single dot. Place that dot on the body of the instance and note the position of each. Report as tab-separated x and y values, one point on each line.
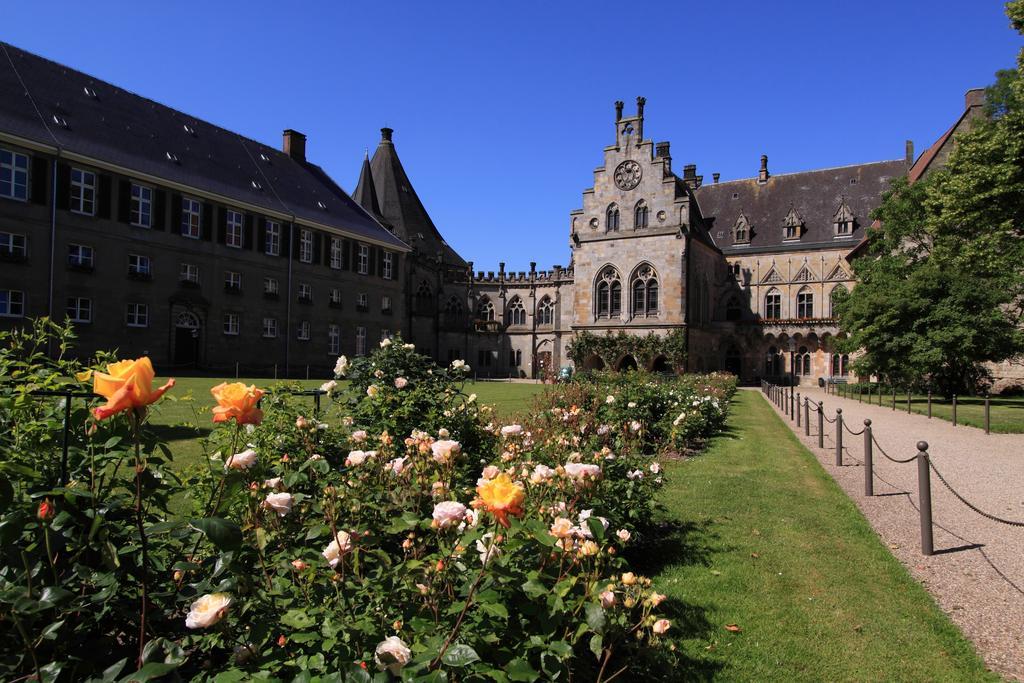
179	432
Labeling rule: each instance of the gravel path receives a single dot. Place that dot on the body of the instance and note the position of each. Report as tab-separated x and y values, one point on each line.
977	572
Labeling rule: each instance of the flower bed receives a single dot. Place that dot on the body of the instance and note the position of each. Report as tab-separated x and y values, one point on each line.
414	537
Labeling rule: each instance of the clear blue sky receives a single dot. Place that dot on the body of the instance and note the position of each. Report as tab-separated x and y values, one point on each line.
501	110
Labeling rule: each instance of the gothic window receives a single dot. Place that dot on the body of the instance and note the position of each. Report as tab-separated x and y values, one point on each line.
805	303
516	312
546	312
608	293
802	362
838	292
792	225
454	312
485	310
842	220
733	311
773	362
645	292
773	305
840	365
612	219
640	215
741	231
424	300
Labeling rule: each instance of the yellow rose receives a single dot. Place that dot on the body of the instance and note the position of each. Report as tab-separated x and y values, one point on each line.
237	401
127	384
502	497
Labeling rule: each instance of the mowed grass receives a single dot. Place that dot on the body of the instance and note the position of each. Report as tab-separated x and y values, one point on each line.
183	418
1006	414
760	537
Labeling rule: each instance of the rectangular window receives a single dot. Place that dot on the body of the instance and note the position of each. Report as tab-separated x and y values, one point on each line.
79	309
305	292
270	327
191	218
306	246
335	296
13	175
79	256
335	252
273	243
364	259
142	206
231	324
189	273
360	341
389	262
361	301
138	265
137	315
232	280
385	304
333	340
12	303
13	247
270	286
235	225
303	331
83	191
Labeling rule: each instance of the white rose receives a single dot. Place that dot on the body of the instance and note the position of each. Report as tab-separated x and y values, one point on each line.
541	473
511	430
396	466
208	610
655	467
359	435
444	449
385	343
449	512
408	347
281	503
392	654
459	365
631	404
401	383
356	458
274	483
241	461
338	548
443	433
582	471
623	535
609	399
328	387
341	366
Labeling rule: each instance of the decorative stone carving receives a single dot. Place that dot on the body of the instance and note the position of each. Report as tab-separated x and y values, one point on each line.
628	174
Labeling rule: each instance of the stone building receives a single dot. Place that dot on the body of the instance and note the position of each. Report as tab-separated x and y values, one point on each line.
159	233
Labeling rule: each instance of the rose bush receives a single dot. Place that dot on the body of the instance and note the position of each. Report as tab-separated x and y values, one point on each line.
404	533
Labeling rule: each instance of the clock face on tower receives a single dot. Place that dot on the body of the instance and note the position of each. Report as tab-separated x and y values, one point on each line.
627	175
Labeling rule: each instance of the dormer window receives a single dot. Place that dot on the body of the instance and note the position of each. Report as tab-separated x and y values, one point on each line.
741	231
843	220
792	226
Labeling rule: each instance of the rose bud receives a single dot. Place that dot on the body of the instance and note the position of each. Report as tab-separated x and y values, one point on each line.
299	565
46	510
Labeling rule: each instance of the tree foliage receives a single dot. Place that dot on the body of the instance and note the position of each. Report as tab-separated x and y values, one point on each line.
941	282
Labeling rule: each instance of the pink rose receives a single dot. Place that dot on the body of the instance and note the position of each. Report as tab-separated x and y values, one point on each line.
448	513
661	625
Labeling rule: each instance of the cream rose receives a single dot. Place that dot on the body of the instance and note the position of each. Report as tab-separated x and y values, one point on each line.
241	461
208	610
281	503
661	625
356	458
341	366
582	472
608	599
359	435
511	430
562	528
337	549
448	513
372	390
401	383
444	449
392	654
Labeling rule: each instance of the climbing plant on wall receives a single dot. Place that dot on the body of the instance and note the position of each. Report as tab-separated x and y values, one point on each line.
611	348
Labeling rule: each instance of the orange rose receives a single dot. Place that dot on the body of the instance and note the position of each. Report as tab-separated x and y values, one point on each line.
237	401
127	384
502	497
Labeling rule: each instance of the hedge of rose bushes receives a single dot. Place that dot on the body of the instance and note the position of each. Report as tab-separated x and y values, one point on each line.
405	533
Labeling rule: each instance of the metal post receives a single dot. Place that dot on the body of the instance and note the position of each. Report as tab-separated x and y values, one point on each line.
987	422
869	477
316	404
821	425
924	496
807	416
954	410
860	394
792	398
275	370
839	437
236	369
307	370
798	409
929	404
894	397
908	401
67	436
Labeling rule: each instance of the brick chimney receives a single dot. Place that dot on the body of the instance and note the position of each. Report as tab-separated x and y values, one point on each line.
385	134
662	150
762	175
910	152
294	144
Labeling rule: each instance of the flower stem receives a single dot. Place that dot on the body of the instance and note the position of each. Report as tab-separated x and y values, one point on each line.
144	579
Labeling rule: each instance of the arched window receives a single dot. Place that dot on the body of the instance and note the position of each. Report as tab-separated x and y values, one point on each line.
612	219
546	312
516	314
802	362
773	363
805	303
773	305
485	310
733	311
837	294
640	215
424	301
741	230
454	312
645	292
608	293
840	365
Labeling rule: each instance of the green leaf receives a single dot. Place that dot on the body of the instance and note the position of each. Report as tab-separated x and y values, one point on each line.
54	595
597	645
534	588
297	619
595	617
223	533
460	655
111	673
596	528
148	672
520	670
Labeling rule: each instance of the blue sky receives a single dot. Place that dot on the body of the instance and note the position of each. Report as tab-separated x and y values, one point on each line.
501	110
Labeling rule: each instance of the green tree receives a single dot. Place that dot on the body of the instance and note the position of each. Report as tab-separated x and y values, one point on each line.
941	282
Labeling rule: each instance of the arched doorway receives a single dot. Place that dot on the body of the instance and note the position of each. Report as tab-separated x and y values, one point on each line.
186	338
660	364
627	363
733	361
593	362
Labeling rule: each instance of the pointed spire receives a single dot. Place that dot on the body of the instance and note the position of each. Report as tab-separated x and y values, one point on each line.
366	192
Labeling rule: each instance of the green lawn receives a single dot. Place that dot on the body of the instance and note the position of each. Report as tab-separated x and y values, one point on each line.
1006	414
761	537
183	418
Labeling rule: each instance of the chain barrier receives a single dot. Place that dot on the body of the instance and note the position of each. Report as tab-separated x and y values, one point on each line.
963	500
828	419
882	451
857	433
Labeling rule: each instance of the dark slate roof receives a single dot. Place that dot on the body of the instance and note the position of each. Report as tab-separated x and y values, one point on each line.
366	193
400	206
129	131
816	196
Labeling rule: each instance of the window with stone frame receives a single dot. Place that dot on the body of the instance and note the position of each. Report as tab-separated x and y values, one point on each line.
608	293
80	256
272	241
840	365
545	312
843	220
388	268
773	305
189	272
612	218
363	259
12	303
271	286
302	333
333	339
232	281
485	310
516	314
802	362
773	362
640	212
270	328
141	212
792	225
454	312
733	309
191	218
79	309
306	246
83	191
336	245
837	293
385	304
139	265
13	175
235	226
231	324
805	303
645	292
136	315
741	230
360	341
13	247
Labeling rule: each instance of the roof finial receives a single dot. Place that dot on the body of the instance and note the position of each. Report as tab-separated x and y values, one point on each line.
640	102
385	134
619	104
